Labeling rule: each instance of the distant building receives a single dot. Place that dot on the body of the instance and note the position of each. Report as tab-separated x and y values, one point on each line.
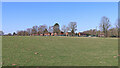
79	34
52	34
70	34
82	34
62	33
49	34
46	34
41	34
55	34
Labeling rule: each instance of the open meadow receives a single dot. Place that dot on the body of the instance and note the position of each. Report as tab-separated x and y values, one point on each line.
59	51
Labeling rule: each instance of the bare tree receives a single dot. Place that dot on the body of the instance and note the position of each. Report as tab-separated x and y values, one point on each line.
90	32
113	32
45	31
94	31
42	28
98	32
64	29
105	25
9	34
29	30
67	29
35	30
50	29
72	27
26	33
18	33
22	33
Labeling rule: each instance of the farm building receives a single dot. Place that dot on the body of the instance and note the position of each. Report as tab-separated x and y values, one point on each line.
82	34
47	34
70	34
79	34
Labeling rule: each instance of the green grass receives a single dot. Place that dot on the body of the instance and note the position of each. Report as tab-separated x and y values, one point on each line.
59	51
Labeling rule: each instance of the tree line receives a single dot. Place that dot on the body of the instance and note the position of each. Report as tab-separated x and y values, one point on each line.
42	29
104	28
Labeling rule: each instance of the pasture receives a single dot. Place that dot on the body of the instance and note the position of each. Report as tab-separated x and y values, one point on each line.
59	51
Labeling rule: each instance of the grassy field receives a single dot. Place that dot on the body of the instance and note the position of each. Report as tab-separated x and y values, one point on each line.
59	51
